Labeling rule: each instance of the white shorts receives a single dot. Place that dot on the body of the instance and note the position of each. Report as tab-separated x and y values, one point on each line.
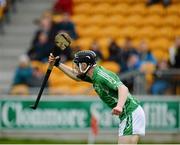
133	123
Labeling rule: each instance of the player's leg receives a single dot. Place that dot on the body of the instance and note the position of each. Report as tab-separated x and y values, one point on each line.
129	139
132	127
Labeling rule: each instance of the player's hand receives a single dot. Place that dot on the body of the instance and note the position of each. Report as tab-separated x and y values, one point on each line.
117	110
54	60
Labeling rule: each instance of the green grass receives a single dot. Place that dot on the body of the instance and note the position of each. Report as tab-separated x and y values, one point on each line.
43	141
28	141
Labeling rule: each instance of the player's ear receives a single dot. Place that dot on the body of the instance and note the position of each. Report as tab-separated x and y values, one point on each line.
84	65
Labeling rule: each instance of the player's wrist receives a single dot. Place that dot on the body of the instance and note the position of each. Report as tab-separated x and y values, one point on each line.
119	106
57	62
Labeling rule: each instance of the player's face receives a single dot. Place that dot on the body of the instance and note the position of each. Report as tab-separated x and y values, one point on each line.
77	68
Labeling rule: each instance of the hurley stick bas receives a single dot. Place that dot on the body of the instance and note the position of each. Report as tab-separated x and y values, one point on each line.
62	41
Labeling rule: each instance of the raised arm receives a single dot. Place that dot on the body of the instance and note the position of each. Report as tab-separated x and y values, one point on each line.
64	68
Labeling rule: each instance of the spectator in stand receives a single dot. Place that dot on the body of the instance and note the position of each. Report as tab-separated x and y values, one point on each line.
45	25
41	49
165	2
66	54
161	83
128	49
174	53
67	25
177	59
145	54
133	63
63	6
27	75
37	78
115	54
23	72
2	6
96	48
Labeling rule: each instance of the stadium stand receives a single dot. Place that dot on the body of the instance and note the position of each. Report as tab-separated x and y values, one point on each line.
102	20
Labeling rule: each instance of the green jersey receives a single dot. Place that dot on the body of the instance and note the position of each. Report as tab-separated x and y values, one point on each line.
106	85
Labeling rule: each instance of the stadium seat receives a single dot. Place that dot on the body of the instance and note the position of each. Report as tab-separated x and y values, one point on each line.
59	90
80	20
121	8
1	12
84	42
110	31
129	31
135	20
97	20
148	69
84	8
160	44
41	66
101	8
20	89
138	9
93	32
111	65
156	10
172	21
173	9
153	20
115	20
159	54
146	32
166	32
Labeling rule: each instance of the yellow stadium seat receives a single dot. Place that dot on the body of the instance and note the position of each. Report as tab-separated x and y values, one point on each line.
172	21
134	1
97	20
92	32
153	20
175	1
41	66
160	44
110	31
103	42
146	32
120	41
111	65
156	10
59	90
115	20
173	9
57	18
80	20
20	89
1	12
135	20
160	55
83	8
138	9
101	8
121	8
166	32
129	31
84	43
80	89
177	32
148	69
